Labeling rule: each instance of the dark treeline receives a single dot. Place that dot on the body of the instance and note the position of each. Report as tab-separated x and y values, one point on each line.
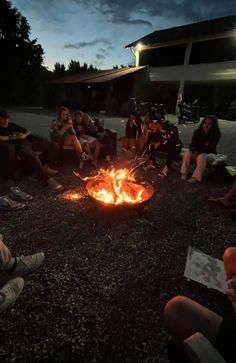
23	77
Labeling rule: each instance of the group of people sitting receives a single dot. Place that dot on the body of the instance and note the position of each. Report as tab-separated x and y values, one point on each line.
155	136
81	133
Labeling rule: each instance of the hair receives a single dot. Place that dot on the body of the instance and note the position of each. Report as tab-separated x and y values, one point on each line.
4	113
60	110
134	113
78	112
215	125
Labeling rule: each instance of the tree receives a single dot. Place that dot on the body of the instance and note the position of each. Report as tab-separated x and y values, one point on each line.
21	58
74	66
59	70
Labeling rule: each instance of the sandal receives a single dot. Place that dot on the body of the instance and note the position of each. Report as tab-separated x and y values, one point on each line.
17	192
9	204
162	175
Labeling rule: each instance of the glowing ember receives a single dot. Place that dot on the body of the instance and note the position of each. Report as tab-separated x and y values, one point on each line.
117	186
73	196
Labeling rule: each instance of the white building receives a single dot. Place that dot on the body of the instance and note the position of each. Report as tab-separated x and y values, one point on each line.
197	60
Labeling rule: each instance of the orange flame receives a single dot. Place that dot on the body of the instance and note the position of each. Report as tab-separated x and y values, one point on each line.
116	186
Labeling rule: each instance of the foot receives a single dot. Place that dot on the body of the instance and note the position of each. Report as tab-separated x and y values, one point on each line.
184	176
23	266
54	185
51	171
193	180
163	174
85	156
10	292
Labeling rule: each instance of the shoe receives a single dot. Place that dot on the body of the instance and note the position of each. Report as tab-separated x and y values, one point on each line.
10	292
184	176
163	174
24	266
193	181
51	171
17	192
8	204
85	156
54	185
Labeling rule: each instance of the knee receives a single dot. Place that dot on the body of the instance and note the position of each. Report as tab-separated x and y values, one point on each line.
174	308
229	256
201	157
187	154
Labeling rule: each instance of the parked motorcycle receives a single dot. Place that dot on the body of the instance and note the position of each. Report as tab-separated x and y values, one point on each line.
188	112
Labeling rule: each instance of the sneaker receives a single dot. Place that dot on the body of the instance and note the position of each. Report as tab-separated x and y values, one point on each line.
51	171
8	204
54	185
17	192
24	266
85	156
10	292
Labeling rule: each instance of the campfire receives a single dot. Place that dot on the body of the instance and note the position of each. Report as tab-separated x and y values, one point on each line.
118	187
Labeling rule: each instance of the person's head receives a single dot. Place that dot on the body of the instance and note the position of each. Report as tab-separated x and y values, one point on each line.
78	116
4	118
63	114
209	124
155	125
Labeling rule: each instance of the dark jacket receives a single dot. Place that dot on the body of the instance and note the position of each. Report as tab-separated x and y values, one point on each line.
204	143
168	138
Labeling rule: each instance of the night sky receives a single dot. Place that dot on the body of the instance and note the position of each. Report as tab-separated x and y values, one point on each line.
96	31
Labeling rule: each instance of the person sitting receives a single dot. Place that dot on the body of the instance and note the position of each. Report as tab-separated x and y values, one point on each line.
95	129
65	134
133	133
89	143
17	135
228	200
12	269
202	148
163	137
183	317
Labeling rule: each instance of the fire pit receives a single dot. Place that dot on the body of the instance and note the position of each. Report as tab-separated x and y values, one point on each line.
118	188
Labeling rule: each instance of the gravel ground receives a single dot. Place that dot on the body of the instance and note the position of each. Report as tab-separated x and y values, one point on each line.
100	294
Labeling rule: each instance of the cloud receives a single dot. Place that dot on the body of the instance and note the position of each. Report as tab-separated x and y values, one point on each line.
103	51
91	43
100	56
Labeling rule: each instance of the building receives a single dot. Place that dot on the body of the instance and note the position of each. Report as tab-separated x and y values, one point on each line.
105	90
196	60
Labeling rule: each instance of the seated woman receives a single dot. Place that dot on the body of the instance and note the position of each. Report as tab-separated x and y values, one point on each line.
96	131
162	137
183	317
202	148
66	135
133	132
88	143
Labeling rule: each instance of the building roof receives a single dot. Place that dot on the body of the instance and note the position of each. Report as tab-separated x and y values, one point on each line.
97	76
201	28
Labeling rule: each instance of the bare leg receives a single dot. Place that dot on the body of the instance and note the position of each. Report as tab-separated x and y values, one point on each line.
201	166
97	148
186	162
184	317
73	141
87	149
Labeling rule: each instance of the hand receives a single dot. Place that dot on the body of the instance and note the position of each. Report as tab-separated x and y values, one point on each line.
70	123
19	136
232	296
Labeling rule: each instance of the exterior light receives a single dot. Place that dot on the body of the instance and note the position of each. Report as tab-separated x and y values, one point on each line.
139	46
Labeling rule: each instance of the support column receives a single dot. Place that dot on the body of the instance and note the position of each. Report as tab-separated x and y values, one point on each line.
182	81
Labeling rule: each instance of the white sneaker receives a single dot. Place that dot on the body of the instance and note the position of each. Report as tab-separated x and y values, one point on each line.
85	157
54	185
10	292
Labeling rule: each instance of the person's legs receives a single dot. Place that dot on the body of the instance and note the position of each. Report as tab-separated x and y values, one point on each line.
32	161
201	166
229	259
97	147
74	141
187	157
184	317
49	149
6	259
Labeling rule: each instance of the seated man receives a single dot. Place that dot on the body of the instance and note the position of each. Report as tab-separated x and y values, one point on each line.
17	135
184	317
12	269
162	137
